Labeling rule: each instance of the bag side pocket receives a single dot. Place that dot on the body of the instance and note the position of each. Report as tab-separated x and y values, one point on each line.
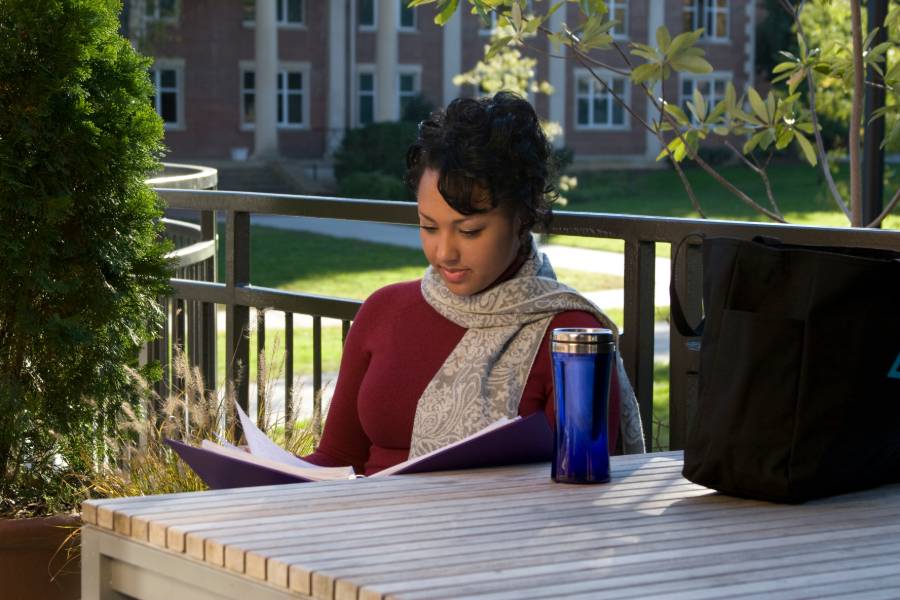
742	437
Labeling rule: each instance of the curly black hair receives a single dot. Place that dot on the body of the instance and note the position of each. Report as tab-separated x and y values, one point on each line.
494	145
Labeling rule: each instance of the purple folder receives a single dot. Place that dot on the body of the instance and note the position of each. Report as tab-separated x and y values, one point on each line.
522	441
219	471
525	440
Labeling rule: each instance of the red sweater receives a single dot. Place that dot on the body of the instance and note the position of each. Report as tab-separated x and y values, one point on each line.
395	347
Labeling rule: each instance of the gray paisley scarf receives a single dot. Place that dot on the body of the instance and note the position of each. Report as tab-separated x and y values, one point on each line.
483	378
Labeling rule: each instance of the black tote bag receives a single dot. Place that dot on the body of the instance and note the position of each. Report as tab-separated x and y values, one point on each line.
799	392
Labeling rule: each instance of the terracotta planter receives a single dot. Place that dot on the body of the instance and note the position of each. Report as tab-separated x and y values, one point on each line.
31	567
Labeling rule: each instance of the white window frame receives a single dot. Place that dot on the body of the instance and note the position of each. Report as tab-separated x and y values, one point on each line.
368	69
620	32
415	15
416	72
703	12
177	66
365	26
284	68
711	78
594	89
281	19
154	14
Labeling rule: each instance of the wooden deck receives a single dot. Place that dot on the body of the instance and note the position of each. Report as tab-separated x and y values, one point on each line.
495	533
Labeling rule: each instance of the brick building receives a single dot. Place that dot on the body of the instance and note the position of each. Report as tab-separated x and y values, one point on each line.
335	64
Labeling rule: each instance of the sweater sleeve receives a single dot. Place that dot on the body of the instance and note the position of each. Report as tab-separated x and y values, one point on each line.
344	441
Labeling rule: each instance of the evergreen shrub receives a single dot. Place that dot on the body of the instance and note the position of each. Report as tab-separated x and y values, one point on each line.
81	258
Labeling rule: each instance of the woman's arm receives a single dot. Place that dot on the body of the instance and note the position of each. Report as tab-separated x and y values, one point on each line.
344	442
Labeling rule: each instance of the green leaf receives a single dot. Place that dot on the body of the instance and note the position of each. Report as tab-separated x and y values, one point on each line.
699	105
671	148
782	67
447	11
691	64
663	39
806	148
784	138
646	72
719	110
684	40
750	144
770	106
651	56
497	45
757	104
677	113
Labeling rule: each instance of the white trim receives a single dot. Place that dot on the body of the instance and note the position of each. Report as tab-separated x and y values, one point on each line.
366	27
367	68
594	89
414	28
284	68
176	65
612	5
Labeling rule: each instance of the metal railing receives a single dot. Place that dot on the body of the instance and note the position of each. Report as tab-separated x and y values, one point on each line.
640	234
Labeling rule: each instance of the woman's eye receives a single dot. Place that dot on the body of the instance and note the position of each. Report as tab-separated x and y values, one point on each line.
428	228
470	233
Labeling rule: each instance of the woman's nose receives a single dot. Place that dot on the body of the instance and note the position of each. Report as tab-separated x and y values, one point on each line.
447	252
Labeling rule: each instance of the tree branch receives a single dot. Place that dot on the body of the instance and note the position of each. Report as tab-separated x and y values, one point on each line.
761	171
887	210
811	86
696	157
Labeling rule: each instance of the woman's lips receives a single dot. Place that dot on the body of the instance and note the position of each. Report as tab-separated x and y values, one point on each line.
453	275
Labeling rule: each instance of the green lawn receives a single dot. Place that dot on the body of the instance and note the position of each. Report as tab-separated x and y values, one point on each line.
800	192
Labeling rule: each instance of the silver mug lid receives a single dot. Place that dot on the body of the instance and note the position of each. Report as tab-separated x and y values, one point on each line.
582	335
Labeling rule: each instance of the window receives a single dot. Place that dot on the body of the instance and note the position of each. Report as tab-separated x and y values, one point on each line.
287	12
595	107
160	10
407	16
367	14
712	87
487	28
291	97
618	11
711	15
409	88
290	12
167	96
366	97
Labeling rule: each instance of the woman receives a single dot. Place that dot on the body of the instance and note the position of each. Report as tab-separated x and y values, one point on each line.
429	362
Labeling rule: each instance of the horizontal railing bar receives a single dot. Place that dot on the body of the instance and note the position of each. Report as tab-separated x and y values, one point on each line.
193	254
188	177
605	225
381	211
263	297
307	304
185	228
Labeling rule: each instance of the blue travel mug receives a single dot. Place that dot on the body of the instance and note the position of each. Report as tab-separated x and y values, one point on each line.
582	365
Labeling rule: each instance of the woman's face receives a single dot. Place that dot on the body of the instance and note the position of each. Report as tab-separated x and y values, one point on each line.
468	251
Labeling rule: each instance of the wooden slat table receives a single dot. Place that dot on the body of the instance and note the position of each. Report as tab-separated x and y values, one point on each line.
494	533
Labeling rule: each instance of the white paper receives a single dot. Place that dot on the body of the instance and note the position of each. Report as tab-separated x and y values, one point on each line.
261	446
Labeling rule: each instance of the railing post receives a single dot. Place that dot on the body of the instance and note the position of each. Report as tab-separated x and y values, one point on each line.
206	336
683	351
637	344
237	318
